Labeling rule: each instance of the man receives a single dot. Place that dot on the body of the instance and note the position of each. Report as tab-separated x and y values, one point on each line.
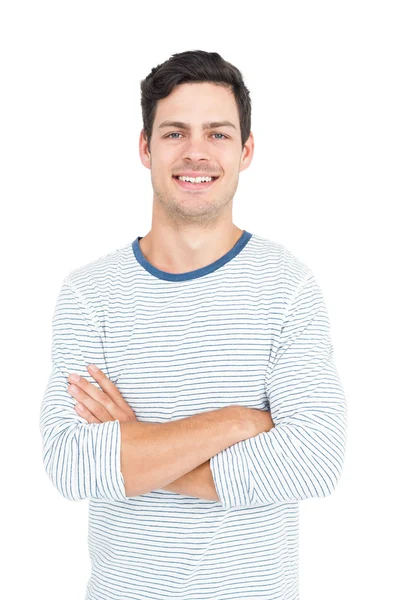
216	406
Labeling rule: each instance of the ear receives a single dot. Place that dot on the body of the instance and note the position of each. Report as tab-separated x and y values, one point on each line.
247	152
144	151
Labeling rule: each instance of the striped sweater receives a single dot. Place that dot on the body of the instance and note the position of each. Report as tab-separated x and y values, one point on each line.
251	329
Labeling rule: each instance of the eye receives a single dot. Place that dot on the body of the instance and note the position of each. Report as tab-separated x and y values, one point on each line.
176	133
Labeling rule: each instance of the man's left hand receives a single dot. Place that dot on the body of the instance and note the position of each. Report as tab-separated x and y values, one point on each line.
98	406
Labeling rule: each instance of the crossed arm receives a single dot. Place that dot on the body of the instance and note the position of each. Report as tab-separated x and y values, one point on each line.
186	445
299	456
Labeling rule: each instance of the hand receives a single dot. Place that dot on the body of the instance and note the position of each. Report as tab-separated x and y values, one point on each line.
98	406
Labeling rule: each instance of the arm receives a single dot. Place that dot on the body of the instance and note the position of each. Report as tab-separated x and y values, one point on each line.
81	459
198	483
155	454
302	456
190	438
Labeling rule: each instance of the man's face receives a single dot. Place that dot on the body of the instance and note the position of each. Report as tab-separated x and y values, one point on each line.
196	151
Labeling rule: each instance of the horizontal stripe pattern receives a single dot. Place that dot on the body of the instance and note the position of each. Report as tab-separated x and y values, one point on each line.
81	459
302	456
253	330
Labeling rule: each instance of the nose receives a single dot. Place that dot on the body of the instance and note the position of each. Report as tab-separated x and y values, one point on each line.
196	149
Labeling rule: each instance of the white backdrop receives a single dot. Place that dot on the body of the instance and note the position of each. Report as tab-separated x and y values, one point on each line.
324	181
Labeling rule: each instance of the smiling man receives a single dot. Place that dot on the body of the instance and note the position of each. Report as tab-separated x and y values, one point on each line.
196	134
214	406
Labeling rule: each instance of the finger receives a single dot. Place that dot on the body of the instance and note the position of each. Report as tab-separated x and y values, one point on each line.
97	409
92	393
85	413
108	387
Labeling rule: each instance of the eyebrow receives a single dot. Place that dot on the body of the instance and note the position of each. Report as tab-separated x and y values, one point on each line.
207	125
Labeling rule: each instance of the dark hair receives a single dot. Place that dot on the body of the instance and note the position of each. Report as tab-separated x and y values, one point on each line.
193	66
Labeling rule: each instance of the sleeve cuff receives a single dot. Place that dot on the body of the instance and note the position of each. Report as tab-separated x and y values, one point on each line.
231	476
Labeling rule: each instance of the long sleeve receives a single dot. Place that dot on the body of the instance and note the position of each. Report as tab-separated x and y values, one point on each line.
302	456
81	459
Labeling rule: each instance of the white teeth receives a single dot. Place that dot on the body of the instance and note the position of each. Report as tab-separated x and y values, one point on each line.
195	179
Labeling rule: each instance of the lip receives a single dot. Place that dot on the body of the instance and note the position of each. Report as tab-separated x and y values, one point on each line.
196	187
195	174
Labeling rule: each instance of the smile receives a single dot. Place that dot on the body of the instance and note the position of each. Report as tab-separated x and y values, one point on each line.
187	185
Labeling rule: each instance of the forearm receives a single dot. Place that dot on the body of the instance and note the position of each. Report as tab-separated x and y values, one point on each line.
155	454
198	483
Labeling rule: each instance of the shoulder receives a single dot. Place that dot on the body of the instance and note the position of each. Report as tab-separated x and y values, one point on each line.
283	264
98	276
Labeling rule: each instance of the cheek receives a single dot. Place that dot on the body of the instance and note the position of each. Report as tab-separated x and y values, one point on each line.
162	170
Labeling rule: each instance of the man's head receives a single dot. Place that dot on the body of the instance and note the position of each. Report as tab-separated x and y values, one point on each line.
183	100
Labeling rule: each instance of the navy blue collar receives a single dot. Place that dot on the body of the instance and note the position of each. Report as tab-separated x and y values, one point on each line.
240	244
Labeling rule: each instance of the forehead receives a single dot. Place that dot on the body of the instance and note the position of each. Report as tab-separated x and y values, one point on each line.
198	102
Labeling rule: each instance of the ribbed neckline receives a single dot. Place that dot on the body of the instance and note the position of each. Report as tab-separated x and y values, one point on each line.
234	251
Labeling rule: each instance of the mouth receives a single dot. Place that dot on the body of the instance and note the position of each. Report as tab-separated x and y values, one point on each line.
187	185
